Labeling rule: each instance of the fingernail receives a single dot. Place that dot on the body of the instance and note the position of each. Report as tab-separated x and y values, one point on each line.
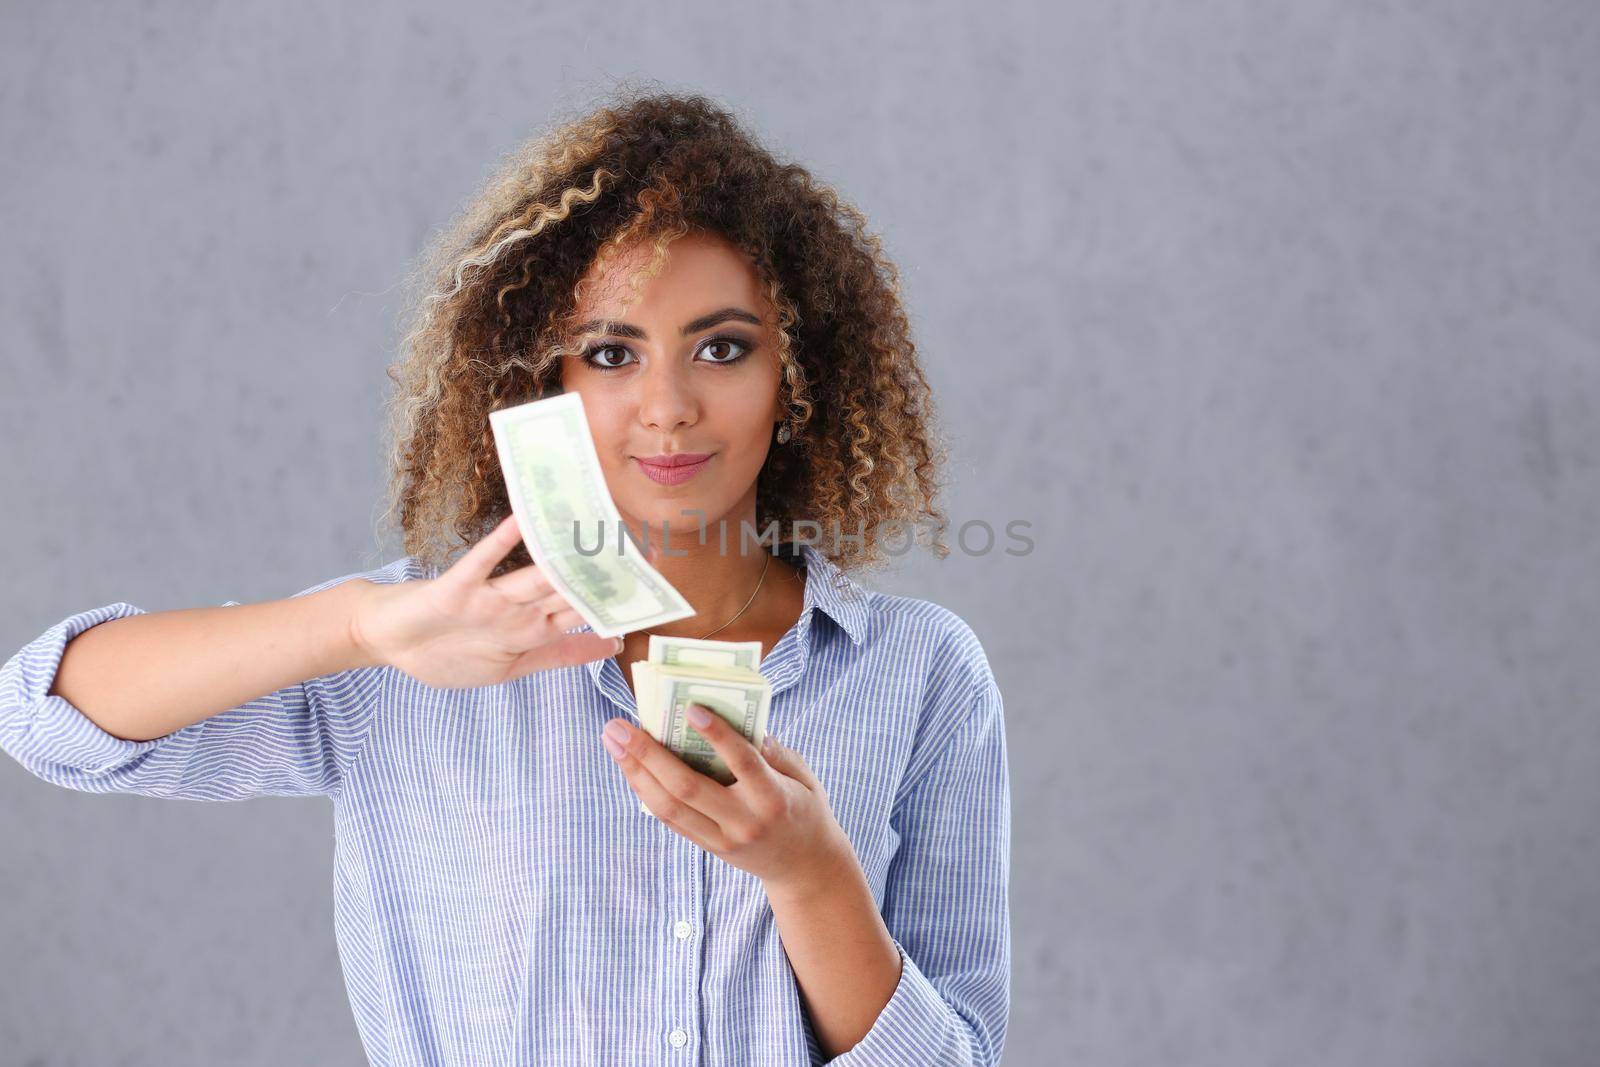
611	746
621	644
698	716
767	743
616	731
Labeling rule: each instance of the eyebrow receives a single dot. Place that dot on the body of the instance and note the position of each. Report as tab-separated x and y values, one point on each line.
623	329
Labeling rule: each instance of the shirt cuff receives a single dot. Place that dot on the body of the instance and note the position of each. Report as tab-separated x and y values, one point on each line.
69	738
916	1028
54	734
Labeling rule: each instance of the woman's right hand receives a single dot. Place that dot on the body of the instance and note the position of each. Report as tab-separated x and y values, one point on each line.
464	629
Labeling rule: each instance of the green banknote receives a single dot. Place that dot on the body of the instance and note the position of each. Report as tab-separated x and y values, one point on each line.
720	675
740	699
697	652
570	523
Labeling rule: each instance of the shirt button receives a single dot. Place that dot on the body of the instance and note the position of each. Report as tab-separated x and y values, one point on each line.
682	929
678	1038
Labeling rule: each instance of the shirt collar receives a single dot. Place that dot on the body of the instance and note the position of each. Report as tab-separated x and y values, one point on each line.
834	593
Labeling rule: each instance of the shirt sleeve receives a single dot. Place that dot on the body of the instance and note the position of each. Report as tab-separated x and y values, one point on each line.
298	741
946	900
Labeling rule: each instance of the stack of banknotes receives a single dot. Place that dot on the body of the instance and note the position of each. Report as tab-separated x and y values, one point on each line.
559	496
721	676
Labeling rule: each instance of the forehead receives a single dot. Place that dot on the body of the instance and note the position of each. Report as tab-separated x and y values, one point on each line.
699	269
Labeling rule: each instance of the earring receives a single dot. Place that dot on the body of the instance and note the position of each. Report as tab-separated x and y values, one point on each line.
783	434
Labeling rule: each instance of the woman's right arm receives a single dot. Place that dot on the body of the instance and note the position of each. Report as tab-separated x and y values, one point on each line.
273	698
203	703
143	676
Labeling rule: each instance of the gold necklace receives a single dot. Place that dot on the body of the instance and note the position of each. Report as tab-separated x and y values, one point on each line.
741	611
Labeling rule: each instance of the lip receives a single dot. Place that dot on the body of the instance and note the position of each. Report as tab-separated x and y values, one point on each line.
674	469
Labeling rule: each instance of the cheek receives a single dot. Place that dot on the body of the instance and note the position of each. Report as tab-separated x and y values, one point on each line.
608	422
744	419
749	402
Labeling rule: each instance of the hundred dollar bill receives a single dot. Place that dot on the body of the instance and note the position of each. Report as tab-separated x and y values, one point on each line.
742	698
557	489
697	652
721	675
671	651
742	701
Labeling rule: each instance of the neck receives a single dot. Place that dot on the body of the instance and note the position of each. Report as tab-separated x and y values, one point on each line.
717	583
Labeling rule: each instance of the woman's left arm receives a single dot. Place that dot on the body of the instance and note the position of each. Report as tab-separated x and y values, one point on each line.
947	897
925	983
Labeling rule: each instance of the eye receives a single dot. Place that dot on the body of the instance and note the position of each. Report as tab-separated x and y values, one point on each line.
599	356
744	348
600	350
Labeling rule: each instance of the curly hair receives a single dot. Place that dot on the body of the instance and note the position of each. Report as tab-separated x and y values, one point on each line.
501	289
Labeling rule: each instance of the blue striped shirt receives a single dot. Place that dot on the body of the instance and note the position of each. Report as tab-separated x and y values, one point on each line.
500	898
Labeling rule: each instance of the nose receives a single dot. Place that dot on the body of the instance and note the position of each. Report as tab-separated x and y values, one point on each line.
666	399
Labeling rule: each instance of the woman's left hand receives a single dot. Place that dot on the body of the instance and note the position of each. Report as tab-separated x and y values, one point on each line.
773	822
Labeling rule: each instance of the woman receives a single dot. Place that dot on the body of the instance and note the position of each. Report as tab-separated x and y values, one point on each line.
744	360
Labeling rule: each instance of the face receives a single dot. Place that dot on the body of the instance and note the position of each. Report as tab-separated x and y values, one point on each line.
684	371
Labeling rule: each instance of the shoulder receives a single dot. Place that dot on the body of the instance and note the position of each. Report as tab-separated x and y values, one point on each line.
940	640
403	569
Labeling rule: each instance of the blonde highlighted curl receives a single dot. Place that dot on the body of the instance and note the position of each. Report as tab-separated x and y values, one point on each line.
493	301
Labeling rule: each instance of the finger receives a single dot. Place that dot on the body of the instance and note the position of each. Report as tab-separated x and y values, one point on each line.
538	624
569	650
555	612
482	558
552	602
682	817
569	618
735	749
787	761
687	785
525	585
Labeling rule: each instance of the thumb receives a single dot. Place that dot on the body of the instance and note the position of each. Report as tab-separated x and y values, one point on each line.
786	760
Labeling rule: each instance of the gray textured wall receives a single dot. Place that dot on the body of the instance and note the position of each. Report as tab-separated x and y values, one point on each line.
1279	321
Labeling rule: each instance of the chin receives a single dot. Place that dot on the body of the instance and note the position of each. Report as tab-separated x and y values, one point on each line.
670	512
